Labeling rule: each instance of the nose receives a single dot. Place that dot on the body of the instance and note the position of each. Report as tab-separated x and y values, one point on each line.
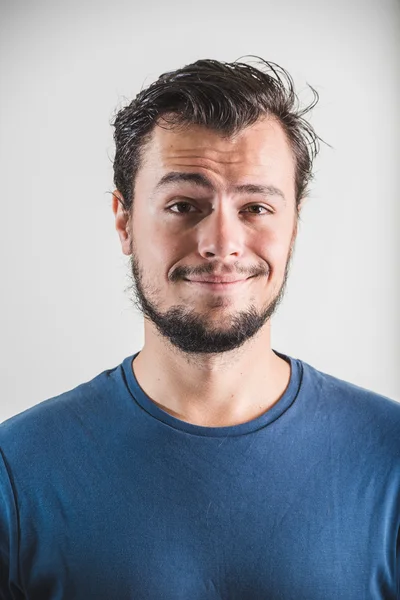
220	234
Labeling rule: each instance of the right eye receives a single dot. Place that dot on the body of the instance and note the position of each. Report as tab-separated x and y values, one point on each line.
181	205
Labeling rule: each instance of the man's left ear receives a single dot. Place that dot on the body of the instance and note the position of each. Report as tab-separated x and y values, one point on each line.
300	207
301	204
122	222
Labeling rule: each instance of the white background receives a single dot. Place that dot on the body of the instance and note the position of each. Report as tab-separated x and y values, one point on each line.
66	67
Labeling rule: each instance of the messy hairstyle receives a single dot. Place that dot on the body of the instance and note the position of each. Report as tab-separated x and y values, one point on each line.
225	97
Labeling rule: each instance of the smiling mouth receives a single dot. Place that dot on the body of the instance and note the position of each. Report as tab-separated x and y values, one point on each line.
219	286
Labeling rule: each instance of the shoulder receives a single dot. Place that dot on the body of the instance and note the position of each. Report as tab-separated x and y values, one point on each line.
50	421
353	395
359	412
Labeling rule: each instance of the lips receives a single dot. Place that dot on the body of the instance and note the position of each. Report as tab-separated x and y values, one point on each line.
219	279
218	285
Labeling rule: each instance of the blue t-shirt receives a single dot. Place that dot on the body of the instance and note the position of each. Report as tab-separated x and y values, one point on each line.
105	496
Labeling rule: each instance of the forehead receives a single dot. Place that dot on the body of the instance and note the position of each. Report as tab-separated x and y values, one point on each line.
261	150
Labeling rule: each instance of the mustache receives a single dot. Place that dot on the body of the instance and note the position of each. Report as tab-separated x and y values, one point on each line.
183	272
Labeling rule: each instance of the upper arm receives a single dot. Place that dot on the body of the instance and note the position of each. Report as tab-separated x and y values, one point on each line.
9	536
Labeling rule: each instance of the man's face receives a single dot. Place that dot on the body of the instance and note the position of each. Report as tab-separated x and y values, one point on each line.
204	207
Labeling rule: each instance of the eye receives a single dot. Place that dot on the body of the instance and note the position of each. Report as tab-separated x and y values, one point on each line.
268	211
183	205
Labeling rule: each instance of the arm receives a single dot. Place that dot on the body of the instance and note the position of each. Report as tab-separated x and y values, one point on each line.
9	537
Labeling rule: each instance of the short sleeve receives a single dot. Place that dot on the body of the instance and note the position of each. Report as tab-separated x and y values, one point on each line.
9	588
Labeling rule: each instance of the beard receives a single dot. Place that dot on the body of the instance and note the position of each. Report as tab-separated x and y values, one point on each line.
190	331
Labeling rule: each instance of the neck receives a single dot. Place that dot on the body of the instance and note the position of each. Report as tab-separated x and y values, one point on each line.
217	390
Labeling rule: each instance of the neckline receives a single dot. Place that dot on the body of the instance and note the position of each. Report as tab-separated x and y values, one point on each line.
271	415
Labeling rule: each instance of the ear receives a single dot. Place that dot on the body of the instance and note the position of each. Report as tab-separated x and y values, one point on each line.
122	222
301	204
299	208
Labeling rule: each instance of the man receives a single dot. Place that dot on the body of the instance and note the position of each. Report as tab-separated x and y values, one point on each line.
207	465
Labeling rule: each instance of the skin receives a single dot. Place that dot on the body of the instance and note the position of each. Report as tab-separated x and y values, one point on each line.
216	231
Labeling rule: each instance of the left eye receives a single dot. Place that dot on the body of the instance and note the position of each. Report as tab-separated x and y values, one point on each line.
268	211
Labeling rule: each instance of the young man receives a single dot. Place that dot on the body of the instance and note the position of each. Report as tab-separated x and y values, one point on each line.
207	465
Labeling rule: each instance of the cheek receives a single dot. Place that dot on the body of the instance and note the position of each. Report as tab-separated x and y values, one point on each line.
274	247
158	251
148	236
278	247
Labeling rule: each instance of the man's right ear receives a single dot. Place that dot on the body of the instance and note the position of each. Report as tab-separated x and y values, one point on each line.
122	222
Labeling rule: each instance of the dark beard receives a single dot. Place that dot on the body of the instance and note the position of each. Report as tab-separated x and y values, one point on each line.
187	330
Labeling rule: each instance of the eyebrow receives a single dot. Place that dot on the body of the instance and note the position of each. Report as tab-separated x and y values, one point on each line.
202	181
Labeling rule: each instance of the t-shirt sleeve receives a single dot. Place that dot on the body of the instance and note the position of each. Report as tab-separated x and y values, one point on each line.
8	536
398	563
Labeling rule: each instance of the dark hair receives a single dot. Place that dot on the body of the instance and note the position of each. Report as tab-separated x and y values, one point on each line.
225	97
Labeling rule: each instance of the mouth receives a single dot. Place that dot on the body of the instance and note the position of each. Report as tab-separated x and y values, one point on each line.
219	286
